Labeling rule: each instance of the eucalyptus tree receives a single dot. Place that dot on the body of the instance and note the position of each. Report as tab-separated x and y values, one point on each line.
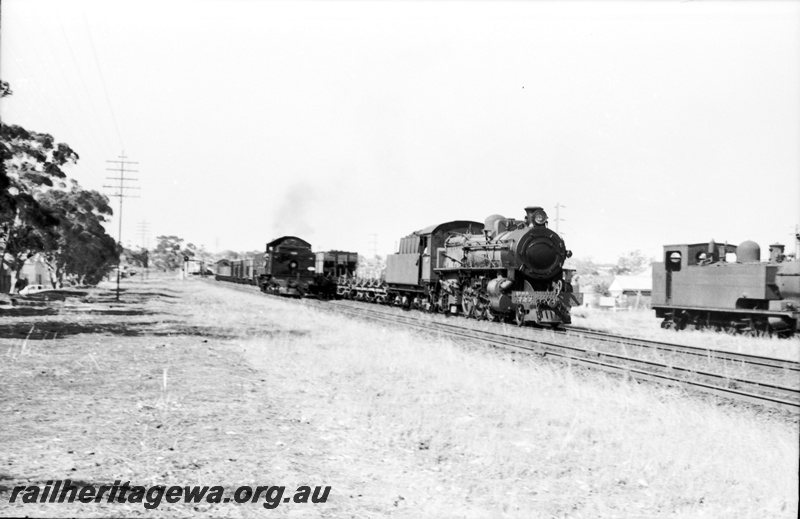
32	164
79	247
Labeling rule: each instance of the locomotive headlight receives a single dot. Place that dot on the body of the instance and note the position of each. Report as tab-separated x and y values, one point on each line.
539	217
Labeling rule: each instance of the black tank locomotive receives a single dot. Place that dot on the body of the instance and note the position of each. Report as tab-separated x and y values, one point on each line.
727	287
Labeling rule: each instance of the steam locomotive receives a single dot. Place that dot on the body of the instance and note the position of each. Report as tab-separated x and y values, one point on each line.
727	287
502	269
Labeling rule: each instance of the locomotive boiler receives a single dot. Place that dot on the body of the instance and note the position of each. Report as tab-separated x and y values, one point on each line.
502	269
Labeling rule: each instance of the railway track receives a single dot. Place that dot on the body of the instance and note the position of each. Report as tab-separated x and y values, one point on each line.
720	384
563	347
752	360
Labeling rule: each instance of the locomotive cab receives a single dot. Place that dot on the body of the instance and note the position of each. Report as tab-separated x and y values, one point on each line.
411	272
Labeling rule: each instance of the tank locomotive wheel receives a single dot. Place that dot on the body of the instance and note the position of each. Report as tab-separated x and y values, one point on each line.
679	321
757	329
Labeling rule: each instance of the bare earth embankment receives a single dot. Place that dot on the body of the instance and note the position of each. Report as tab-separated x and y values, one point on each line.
195	384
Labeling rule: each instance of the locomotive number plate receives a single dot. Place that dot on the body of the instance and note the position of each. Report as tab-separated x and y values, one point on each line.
532	297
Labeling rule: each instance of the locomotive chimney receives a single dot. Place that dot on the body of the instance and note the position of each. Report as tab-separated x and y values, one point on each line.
529	215
713	251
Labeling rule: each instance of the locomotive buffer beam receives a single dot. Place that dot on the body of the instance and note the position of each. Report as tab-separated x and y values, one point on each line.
536	299
544	307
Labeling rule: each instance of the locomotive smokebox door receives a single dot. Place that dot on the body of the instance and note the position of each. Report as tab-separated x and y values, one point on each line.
542	255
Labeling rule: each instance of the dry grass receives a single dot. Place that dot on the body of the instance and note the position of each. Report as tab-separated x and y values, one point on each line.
262	391
477	435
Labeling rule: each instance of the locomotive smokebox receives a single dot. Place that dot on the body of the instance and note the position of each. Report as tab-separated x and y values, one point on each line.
542	256
540	252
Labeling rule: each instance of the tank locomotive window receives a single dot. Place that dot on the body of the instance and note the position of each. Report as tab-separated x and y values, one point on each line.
673	261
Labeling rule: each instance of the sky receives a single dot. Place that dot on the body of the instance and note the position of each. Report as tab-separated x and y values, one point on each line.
353	124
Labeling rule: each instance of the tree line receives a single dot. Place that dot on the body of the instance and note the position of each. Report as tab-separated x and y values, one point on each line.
43	212
600	276
170	251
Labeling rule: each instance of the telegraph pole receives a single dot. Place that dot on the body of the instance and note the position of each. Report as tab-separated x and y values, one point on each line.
558	212
121	194
144	234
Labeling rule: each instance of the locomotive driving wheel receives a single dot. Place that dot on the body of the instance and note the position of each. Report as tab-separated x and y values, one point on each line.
469	303
491	315
443	305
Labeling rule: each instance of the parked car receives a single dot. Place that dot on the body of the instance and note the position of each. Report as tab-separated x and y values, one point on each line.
32	289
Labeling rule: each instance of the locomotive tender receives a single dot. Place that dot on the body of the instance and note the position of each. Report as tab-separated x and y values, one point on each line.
501	269
702	285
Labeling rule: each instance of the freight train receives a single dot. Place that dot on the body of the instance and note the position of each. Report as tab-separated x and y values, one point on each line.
501	269
288	267
727	288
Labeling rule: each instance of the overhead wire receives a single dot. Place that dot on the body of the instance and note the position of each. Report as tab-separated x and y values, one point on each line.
115	79
105	86
43	101
103	81
78	124
87	95
39	101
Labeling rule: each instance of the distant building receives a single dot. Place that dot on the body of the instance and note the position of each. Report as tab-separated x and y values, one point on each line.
634	291
35	271
590	297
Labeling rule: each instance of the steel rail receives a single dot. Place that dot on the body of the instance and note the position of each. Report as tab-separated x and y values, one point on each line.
755	360
708	353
